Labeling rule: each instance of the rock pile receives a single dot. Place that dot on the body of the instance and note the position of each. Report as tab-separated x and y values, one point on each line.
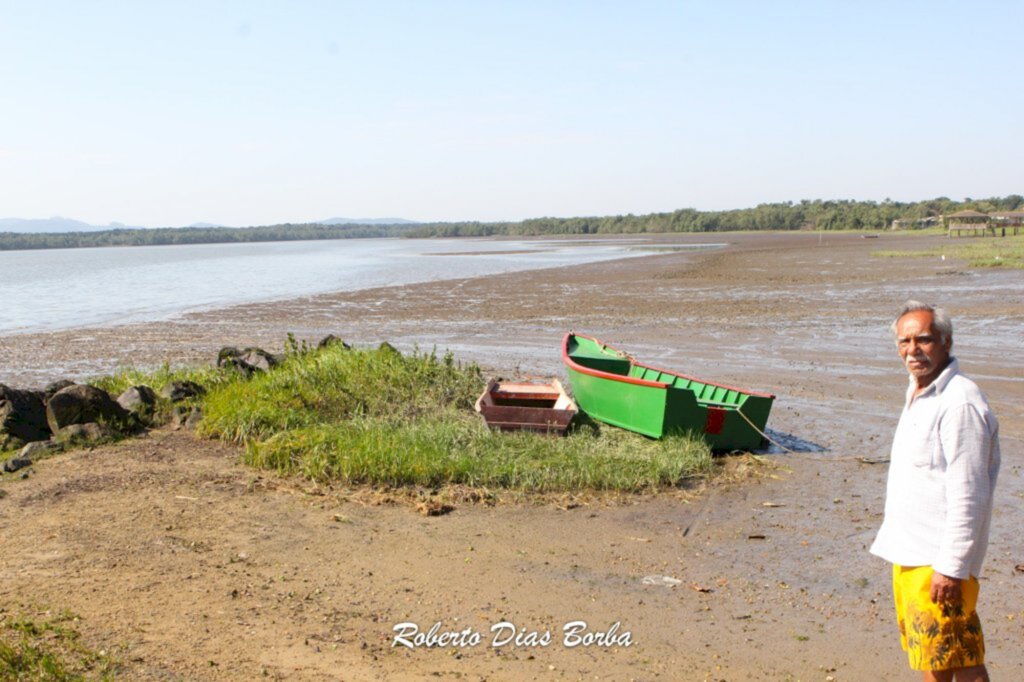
41	422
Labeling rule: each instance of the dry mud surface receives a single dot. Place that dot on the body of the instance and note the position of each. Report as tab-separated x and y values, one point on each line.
186	565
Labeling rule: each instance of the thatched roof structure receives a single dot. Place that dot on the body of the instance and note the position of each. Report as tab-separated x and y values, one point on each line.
967	213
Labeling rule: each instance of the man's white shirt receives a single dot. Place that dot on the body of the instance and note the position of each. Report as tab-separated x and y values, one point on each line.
942	473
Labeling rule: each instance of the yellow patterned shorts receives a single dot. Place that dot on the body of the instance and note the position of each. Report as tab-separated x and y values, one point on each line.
936	636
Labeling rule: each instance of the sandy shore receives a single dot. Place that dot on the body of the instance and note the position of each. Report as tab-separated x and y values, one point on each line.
113	534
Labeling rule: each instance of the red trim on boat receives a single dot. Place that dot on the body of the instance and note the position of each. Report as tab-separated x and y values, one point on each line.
643	382
572	364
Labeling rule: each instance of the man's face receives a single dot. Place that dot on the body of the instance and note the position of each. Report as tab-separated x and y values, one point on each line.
923	354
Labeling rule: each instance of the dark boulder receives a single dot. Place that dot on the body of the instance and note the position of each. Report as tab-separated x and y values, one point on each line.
82	404
387	349
22	417
176	391
52	388
332	340
193	419
87	433
227	353
259	359
237	365
184	417
12	465
138	400
230	357
247	361
38	448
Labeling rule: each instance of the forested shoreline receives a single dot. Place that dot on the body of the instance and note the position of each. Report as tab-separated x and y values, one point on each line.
162	236
816	215
812	215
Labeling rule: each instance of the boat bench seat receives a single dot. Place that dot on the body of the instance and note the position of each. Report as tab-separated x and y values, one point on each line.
618	366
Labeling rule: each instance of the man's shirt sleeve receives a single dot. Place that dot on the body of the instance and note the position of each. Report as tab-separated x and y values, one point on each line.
966	445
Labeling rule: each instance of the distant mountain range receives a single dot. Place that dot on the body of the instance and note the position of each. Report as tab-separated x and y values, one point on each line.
55	224
59	224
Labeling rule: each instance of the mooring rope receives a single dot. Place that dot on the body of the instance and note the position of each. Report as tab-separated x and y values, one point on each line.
804	455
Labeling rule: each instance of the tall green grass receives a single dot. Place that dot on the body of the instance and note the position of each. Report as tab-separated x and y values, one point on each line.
334	384
380	417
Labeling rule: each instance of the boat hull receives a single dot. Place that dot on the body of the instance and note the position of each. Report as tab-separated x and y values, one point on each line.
614	388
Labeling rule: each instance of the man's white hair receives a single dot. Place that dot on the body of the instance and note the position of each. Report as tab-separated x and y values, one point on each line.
940	319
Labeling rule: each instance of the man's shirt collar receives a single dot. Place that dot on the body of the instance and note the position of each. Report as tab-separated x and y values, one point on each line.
937	386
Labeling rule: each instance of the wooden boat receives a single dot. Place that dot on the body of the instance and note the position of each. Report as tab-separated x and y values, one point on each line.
527	406
613	387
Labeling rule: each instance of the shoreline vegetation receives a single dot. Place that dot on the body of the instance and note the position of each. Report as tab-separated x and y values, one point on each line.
807	215
1005	252
378	417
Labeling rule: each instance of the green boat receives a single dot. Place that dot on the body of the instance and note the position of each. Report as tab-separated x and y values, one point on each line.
614	388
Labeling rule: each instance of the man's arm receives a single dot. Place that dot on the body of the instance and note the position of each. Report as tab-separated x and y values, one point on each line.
966	444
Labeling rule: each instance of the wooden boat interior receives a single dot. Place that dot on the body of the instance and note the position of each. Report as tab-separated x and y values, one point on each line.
529	395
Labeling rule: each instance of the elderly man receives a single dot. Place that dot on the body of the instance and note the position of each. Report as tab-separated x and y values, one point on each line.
938	507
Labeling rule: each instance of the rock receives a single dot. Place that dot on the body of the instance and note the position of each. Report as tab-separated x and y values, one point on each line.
138	400
88	432
239	366
259	359
176	391
332	340
55	386
193	419
179	415
82	404
247	361
16	464
386	347
22	417
227	353
183	416
38	448
230	357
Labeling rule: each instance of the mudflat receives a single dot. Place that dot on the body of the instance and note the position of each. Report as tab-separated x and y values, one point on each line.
184	564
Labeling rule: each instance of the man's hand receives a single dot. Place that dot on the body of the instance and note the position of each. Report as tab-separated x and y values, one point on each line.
945	589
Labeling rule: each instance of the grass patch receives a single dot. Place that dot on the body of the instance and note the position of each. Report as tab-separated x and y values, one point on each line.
48	648
333	384
379	417
978	252
458	449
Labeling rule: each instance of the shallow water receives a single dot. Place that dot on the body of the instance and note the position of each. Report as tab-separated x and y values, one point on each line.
65	288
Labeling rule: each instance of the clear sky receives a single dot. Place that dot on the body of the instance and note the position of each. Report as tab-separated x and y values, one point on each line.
242	113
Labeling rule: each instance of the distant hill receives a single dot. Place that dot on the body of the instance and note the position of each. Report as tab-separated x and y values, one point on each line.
366	221
55	224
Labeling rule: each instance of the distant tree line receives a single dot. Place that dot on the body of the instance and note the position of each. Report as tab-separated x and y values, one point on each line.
814	215
196	235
